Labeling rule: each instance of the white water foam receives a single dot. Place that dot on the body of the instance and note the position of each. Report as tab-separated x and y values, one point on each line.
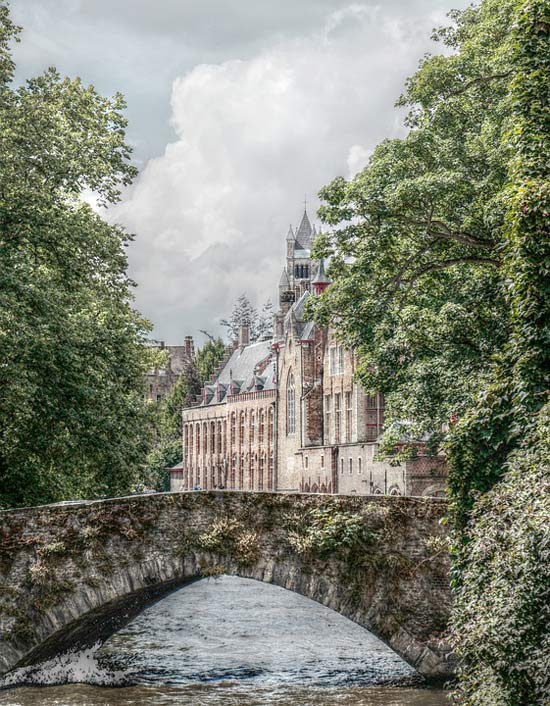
78	666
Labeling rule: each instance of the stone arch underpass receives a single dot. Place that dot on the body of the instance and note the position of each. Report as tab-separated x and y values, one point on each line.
75	573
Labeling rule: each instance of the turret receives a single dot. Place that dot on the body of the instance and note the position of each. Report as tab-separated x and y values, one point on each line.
290	239
320	282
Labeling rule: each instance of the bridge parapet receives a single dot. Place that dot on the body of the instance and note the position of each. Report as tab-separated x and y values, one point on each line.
73	574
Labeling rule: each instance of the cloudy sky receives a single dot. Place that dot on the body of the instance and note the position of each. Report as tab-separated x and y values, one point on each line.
237	109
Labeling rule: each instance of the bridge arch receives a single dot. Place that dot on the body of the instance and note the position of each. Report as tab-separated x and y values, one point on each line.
75	574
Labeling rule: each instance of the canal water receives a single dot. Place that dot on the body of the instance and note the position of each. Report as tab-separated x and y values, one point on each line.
231	642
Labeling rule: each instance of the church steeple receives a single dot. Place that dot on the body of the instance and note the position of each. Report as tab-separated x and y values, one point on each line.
305	232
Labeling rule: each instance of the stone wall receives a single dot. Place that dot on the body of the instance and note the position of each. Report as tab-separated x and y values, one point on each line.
72	574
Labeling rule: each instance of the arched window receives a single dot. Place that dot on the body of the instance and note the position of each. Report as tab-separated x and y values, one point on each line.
290	405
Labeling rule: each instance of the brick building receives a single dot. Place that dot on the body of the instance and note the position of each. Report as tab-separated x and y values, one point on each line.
287	414
160	381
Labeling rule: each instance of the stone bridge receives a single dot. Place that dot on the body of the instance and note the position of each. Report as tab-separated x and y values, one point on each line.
73	574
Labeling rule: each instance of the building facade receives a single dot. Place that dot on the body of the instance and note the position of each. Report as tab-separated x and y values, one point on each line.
160	381
287	414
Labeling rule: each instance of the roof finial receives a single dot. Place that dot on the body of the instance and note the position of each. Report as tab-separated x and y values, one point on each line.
305	202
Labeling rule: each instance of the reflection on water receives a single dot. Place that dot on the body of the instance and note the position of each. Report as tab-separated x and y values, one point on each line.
233	641
226	695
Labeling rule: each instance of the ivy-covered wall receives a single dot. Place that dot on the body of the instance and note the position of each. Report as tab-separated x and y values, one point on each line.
71	574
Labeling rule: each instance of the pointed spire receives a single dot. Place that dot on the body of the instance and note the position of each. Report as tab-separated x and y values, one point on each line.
290	234
320	282
284	282
304	232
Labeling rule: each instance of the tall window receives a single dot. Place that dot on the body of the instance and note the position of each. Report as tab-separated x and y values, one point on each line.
337	417
290	405
261	471
241	429
261	426
270	472
198	438
241	473
328	410
271	426
332	361
340	360
252	427
232	431
348	416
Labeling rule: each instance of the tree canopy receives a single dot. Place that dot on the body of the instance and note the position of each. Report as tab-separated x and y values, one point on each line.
439	255
245	314
415	238
71	345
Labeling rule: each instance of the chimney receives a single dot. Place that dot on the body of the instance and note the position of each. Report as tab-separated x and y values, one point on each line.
189	347
244	335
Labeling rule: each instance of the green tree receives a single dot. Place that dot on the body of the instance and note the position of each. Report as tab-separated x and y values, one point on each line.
71	347
208	359
500	451
242	314
415	238
440	254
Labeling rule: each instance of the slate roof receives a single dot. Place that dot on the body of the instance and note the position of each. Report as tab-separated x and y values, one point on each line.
305	233
284	282
320	276
249	369
304	329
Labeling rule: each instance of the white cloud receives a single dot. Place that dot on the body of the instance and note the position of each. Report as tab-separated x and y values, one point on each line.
253	136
